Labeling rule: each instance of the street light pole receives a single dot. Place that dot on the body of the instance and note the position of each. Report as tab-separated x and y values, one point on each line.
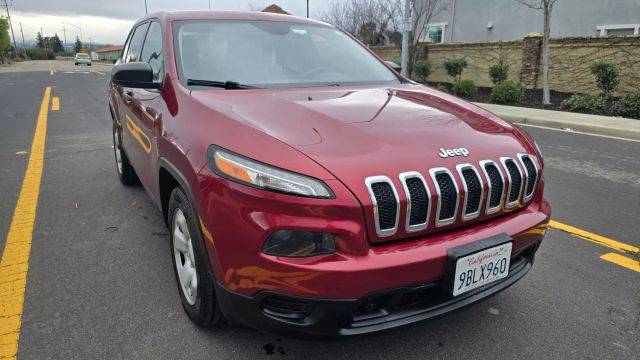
145	7
78	27
405	37
307	9
209	4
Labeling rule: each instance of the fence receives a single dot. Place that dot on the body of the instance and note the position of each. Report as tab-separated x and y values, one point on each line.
570	59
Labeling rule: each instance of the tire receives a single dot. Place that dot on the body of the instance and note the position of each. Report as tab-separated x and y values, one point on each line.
201	307
76	64
125	171
88	64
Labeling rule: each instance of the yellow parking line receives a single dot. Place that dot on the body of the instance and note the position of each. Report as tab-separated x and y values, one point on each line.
55	103
97	72
15	257
622	261
598	239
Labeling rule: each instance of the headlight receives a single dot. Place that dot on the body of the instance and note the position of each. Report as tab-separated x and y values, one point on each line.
297	243
253	173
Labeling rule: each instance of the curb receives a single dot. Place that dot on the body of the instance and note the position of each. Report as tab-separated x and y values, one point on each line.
615	126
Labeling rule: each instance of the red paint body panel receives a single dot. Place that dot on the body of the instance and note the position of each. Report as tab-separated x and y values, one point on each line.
339	135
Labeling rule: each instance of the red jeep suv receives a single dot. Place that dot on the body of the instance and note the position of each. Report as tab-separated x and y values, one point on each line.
308	187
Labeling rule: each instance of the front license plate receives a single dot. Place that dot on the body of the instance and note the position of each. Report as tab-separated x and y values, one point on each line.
482	268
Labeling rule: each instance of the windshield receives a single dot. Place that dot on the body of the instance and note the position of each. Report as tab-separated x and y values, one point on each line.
273	54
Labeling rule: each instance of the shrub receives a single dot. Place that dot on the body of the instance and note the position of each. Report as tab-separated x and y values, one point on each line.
606	74
443	88
40	54
507	92
454	67
422	70
498	73
586	103
464	88
628	106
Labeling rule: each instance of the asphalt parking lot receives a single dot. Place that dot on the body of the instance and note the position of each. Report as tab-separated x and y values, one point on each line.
100	283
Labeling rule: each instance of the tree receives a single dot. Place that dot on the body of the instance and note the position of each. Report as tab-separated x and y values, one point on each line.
369	20
56	44
5	43
546	6
40	40
422	11
78	45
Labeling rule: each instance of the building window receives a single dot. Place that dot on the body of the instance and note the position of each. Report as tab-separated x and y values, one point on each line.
435	33
619	30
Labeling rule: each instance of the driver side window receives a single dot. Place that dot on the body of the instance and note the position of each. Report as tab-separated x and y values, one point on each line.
132	51
152	50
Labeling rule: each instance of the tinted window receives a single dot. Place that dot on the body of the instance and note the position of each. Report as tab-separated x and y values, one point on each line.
152	50
274	54
135	43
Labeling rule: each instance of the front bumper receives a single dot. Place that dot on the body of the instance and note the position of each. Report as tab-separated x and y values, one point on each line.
275	312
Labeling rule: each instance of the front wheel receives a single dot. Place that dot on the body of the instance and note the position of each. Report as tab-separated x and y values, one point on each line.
126	174
191	263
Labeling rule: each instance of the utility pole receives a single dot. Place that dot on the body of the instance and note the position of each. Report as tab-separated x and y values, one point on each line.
24	46
145	7
209	4
15	47
307	9
64	32
405	37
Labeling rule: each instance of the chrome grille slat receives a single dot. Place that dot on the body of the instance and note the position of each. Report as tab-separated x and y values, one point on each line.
473	191
531	171
495	186
515	181
448	195
378	188
418	201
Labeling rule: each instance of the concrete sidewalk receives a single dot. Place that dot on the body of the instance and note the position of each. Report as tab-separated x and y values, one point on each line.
592	124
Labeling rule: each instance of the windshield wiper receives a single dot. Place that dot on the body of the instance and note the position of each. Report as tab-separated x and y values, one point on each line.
228	85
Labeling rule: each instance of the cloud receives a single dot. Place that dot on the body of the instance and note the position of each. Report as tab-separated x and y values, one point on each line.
109	21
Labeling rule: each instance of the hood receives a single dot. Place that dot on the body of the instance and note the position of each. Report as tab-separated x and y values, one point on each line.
359	132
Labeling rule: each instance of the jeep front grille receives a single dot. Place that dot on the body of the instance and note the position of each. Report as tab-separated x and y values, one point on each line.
495	183
418	200
515	182
385	204
447	191
508	185
531	174
473	191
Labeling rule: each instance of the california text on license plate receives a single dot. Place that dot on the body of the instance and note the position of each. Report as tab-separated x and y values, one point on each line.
482	268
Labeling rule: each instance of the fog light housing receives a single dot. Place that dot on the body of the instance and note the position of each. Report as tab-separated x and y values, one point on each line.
298	243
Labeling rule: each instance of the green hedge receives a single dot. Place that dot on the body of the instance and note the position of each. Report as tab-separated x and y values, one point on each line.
40	54
507	92
586	103
464	88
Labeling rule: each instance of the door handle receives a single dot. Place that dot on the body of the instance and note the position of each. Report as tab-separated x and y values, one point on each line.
128	96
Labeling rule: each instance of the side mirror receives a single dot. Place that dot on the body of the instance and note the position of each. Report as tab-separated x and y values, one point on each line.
394	66
134	75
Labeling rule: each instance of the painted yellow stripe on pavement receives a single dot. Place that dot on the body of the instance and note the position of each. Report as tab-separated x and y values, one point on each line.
97	72
623	261
15	257
598	239
55	103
